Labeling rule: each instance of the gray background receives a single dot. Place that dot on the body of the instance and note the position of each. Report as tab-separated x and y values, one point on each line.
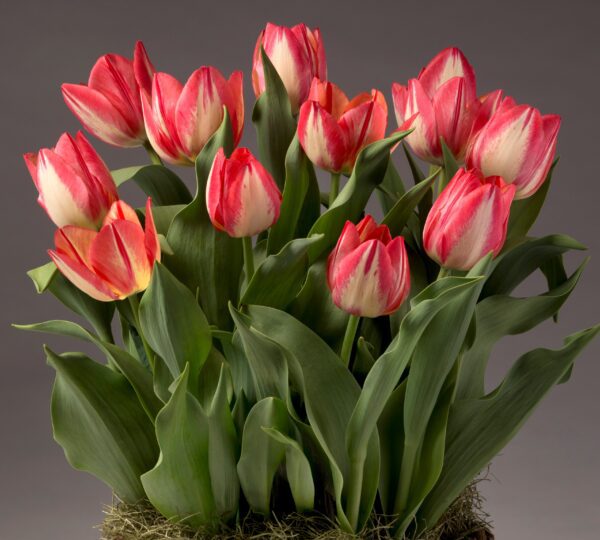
545	483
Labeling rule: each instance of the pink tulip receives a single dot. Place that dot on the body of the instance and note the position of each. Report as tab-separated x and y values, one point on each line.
368	272
297	54
333	129
445	99
109	105
518	143
111	264
180	119
241	196
468	220
75	186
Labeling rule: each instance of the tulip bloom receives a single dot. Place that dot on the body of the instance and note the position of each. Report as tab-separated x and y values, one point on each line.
75	186
180	119
241	196
368	272
109	105
468	220
445	99
297	54
517	143
333	129
111	264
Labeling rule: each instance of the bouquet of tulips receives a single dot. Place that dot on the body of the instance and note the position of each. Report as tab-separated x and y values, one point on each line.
271	347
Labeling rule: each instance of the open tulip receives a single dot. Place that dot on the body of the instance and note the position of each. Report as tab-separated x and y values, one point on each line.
113	263
517	143
368	272
75	187
180	119
241	196
333	129
444	98
109	105
468	220
297	54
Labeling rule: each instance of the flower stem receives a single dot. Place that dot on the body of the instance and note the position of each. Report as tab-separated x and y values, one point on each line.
154	157
135	309
349	339
248	258
444	272
335	187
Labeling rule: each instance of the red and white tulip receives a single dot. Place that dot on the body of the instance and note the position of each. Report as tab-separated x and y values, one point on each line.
333	129
241	196
368	272
517	143
468	220
444	98
109	105
180	119
113	263
75	186
298	55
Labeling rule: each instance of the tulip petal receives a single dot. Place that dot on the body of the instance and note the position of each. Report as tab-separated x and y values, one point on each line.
400	288
142	68
151	241
449	63
215	190
121	211
329	96
368	229
236	105
348	241
75	243
31	161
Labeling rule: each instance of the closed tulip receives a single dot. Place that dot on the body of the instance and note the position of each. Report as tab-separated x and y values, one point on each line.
445	101
468	220
333	129
113	263
75	187
180	119
241	196
109	105
368	272
517	143
297	54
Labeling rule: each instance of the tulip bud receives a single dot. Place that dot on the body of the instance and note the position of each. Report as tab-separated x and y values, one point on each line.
109	105
445	100
333	130
111	264
368	272
241	196
297	54
75	186
517	143
468	220
180	119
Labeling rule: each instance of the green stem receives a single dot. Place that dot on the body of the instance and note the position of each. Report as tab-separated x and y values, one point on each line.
248	257
154	157
348	342
135	309
335	187
443	272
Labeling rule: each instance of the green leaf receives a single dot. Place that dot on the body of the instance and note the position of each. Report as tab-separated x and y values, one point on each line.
42	276
100	424
163	216
179	486
278	280
391	188
206	260
274	122
369	171
418	176
450	164
479	428
300	206
174	325
156	181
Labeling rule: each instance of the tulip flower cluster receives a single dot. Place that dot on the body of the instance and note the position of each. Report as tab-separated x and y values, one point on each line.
275	339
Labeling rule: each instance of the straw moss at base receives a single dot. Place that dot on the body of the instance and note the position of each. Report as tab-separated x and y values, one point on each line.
464	520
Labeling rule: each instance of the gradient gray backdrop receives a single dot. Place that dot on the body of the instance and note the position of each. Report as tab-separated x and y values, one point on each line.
545	484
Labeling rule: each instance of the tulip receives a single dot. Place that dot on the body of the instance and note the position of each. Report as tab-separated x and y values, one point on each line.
180	119
241	196
109	105
517	143
468	220
75	187
368	272
297	54
333	129
445	101
113	263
